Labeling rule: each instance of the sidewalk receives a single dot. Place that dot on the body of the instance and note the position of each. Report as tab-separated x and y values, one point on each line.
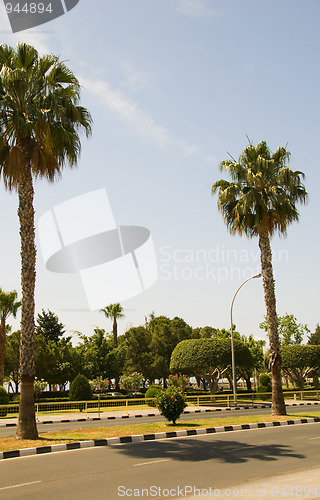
148	412
107	415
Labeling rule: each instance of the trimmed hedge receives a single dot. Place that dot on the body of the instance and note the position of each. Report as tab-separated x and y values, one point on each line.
152	392
4	400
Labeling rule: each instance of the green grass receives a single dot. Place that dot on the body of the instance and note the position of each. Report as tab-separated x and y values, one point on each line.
51	438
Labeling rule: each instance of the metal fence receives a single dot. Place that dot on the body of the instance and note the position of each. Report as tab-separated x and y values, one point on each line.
98	406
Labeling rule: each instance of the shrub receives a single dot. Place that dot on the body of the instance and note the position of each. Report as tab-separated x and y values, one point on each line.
265	385
171	403
4	400
265	388
80	389
99	385
131	382
265	379
152	393
178	380
38	387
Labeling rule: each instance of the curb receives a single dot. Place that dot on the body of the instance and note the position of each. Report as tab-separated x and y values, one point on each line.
94	419
148	437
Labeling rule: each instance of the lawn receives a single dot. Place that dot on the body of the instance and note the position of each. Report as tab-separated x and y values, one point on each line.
59	437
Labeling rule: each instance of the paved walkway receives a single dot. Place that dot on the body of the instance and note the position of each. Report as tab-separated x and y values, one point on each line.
122	414
116	414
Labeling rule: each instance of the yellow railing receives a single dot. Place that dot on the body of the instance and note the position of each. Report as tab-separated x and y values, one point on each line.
99	406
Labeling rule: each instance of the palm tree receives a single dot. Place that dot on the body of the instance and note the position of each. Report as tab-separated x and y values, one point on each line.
40	117
114	311
259	200
8	306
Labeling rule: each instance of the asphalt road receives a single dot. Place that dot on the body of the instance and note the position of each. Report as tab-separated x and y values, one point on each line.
10	431
161	469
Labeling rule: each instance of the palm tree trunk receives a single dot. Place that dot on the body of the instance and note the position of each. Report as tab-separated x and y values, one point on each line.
115	332
2	350
115	341
278	405
27	428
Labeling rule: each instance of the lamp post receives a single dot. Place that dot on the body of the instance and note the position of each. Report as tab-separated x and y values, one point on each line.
234	382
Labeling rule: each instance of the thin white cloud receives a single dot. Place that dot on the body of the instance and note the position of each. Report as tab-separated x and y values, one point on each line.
135	78
142	122
202	9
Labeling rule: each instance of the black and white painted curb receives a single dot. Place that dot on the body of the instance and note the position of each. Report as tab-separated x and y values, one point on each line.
93	419
148	437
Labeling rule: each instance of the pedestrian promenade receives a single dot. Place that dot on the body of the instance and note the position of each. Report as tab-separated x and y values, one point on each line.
139	413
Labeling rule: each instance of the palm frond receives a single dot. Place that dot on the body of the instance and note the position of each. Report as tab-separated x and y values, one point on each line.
262	193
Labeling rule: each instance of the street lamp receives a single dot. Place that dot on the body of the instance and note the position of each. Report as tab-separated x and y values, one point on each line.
234	382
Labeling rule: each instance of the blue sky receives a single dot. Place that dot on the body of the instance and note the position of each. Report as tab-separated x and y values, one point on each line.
173	85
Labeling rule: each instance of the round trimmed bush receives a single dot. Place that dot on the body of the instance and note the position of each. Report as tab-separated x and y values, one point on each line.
265	379
80	389
152	393
4	400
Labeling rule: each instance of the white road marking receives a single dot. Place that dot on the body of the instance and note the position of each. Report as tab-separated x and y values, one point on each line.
19	485
153	462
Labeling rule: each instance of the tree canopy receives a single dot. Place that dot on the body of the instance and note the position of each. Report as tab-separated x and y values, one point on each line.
300	361
290	331
49	326
208	358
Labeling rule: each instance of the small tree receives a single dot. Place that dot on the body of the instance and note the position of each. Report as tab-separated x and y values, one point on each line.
99	385
8	306
171	403
38	387
314	338
290	331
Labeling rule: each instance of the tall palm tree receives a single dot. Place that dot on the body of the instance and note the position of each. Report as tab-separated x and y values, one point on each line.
8	306
40	117
259	200
114	311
